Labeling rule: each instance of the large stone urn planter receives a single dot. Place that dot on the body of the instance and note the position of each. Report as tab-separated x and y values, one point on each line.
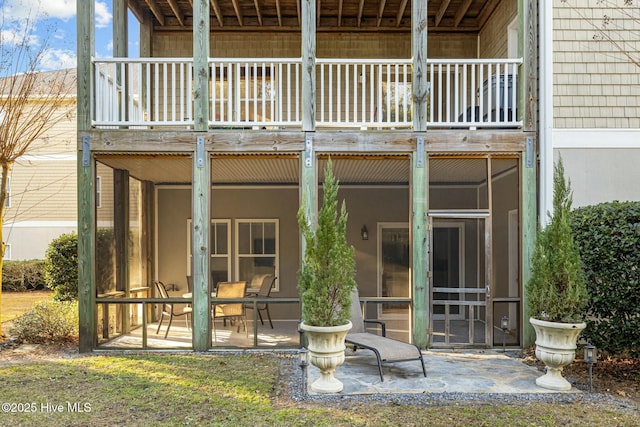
556	348
326	352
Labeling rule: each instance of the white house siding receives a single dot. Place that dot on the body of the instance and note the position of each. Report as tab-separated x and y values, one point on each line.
43	204
596	101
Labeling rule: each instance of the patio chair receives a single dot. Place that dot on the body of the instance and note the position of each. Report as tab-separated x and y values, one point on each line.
169	309
231	311
386	350
265	282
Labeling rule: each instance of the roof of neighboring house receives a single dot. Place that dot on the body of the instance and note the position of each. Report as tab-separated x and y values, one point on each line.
44	81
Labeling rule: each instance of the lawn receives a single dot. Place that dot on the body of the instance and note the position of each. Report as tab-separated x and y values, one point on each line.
15	304
233	390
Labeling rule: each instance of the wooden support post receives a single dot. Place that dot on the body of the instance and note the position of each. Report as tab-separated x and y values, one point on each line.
529	229
309	184
420	242
529	104
121	237
86	179
419	50
308	65
201	195
201	64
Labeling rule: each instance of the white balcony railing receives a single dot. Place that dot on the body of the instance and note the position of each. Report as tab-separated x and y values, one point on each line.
266	93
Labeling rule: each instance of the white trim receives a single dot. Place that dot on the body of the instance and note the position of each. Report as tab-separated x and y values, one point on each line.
40	224
7	252
596	138
546	109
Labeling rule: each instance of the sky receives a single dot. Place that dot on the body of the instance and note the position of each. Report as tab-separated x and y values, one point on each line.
54	29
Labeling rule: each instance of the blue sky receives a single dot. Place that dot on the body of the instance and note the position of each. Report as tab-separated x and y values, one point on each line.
54	26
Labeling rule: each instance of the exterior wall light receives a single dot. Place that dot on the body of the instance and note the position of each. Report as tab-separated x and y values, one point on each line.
364	233
504	325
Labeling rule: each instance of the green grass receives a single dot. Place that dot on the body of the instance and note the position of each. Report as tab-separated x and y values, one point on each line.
231	390
15	304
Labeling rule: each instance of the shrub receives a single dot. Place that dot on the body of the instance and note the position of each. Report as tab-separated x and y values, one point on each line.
18	276
556	290
48	321
608	235
61	267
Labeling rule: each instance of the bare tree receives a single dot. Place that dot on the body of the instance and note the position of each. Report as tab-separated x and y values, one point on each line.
613	26
31	102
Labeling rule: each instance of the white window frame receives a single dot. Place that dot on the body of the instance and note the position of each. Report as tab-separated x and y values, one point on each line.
213	251
7	252
238	255
98	191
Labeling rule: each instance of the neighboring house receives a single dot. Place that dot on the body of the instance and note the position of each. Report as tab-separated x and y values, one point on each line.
596	98
213	140
42	191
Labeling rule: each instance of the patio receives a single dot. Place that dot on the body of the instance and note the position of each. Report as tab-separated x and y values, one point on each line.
448	371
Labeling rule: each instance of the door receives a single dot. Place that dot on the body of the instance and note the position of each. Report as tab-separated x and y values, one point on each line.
394	280
459	281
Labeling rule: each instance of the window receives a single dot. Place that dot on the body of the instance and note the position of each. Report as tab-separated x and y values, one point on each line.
257	248
220	247
98	191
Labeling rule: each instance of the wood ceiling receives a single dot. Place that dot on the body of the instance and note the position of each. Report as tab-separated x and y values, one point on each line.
332	15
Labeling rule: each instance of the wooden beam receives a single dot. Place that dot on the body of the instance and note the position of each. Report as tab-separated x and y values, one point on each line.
462	11
360	10
279	12
420	246
340	7
177	11
298	9
156	141
308	195
136	10
486	12
318	11
529	225
441	11
256	3
401	9
238	10
201	64
381	6
155	9
217	11
201	194
308	65
420	87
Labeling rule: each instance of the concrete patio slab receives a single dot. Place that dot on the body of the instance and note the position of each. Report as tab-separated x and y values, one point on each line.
450	371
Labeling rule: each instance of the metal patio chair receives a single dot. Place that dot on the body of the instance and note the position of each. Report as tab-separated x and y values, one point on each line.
169	309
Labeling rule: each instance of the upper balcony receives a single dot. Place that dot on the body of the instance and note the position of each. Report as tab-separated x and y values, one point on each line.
362	51
266	93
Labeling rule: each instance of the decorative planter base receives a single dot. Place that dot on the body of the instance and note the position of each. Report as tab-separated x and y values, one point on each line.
556	348
326	352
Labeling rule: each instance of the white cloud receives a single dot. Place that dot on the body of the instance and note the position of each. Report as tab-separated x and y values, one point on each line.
103	15
18	10
57	59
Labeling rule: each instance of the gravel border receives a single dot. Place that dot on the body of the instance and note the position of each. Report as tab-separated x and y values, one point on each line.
291	386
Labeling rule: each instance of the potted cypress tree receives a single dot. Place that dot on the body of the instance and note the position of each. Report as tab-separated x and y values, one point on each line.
557	291
325	283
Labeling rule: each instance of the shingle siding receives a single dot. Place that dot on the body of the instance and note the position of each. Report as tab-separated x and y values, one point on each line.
595	85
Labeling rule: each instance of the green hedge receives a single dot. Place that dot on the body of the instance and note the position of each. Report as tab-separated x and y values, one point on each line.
609	238
19	276
61	267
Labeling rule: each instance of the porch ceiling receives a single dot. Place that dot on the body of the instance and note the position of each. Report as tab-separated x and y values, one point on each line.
332	15
284	170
